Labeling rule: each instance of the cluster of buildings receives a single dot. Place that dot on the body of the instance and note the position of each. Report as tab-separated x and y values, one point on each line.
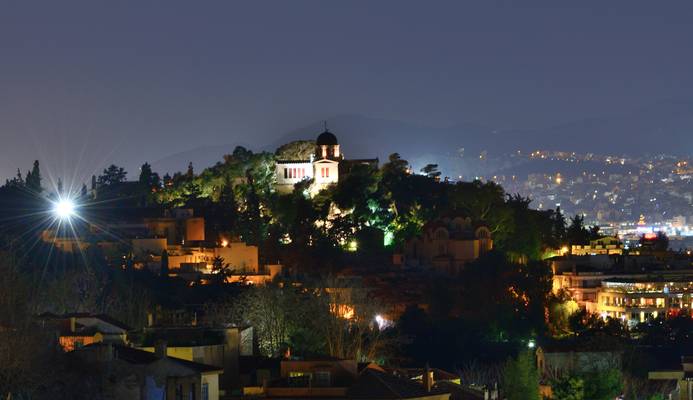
173	240
196	361
608	190
632	288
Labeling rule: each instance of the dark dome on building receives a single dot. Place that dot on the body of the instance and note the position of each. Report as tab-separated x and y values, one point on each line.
327	139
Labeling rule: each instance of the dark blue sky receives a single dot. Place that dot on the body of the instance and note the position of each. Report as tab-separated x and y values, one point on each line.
87	83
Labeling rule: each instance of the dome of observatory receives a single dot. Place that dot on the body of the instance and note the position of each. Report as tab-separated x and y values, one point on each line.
326	138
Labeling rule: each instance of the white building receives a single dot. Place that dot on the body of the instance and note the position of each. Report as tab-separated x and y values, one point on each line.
322	167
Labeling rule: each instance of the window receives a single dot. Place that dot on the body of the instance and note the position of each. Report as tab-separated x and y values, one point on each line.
286	173
179	392
327	172
193	393
322	379
205	391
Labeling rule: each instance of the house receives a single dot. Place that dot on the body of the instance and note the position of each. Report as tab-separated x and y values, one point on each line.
447	244
679	376
221	347
80	329
178	226
344	379
127	373
375	384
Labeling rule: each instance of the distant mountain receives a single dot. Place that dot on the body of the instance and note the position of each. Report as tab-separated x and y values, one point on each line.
665	127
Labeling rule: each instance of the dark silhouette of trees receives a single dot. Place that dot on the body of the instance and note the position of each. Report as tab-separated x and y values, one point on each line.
164	264
660	242
33	178
431	171
111	176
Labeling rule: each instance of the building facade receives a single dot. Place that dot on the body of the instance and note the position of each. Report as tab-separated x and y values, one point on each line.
636	300
322	167
608	245
448	244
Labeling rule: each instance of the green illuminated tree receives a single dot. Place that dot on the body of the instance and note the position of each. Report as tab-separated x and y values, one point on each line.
568	388
520	378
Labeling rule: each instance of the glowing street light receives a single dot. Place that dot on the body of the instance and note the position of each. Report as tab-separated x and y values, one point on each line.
64	209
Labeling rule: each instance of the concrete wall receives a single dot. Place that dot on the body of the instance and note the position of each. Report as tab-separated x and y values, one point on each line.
194	229
146	246
240	256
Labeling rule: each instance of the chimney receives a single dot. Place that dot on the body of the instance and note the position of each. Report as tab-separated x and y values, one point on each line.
160	348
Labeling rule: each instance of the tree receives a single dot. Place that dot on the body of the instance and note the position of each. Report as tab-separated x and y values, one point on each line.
33	178
577	234
296	150
111	176
149	179
431	171
164	263
520	378
603	384
660	242
274	311
568	388
220	271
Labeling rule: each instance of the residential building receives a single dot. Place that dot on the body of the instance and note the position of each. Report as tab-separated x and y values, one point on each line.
682	376
608	245
637	299
617	292
221	347
336	378
127	373
80	329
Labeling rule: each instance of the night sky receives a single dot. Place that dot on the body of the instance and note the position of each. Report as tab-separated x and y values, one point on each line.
85	84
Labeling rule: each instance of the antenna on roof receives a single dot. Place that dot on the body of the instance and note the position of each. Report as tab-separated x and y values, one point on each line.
325	124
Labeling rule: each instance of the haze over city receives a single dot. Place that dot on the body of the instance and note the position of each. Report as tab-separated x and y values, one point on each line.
129	82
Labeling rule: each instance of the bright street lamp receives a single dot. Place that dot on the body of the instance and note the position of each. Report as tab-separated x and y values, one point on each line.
64	209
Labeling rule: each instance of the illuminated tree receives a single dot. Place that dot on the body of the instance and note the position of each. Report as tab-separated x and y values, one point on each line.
520	378
296	150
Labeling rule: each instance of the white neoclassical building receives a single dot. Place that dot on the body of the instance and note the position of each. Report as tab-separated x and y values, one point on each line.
322	167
